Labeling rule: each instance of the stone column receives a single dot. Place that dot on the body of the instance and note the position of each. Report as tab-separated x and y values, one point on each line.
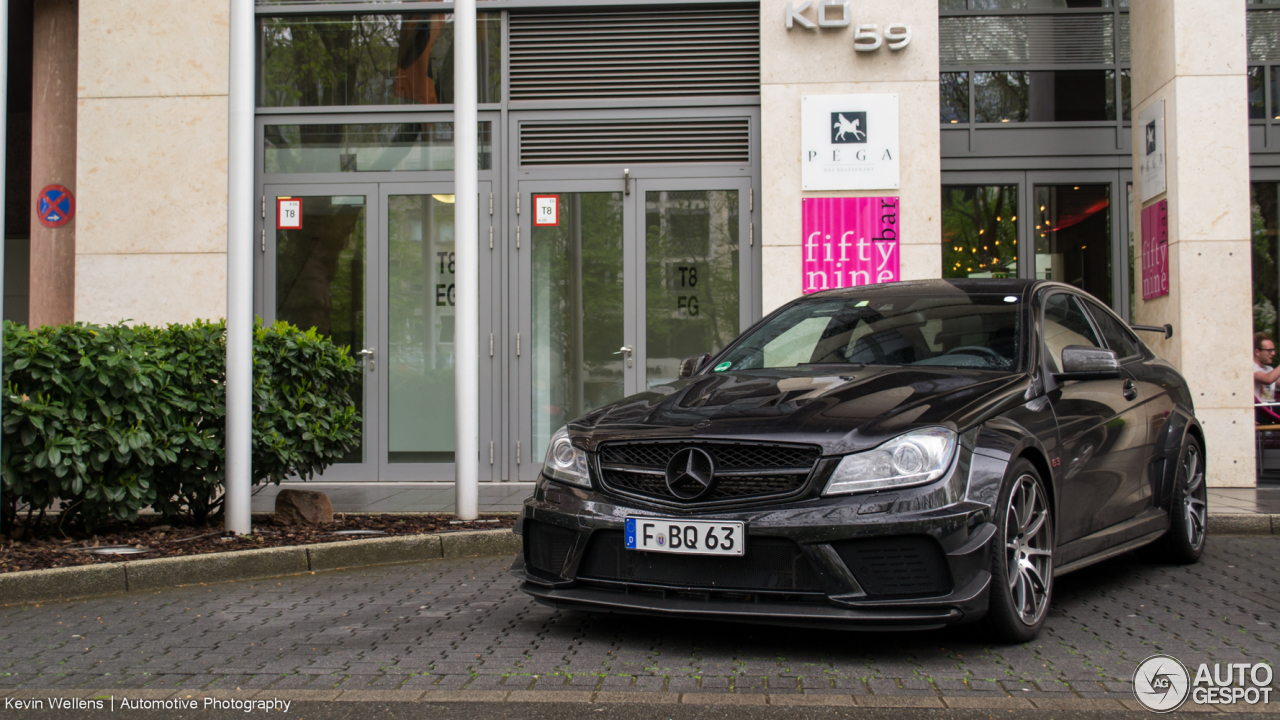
822	61
53	157
1191	54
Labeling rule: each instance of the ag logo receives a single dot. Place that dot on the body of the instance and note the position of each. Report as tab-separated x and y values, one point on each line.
1151	137
848	127
1161	683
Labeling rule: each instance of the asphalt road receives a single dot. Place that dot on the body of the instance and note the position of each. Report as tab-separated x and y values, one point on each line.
454	625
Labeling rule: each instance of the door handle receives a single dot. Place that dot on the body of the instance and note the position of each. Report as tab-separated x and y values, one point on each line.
1130	391
625	350
367	354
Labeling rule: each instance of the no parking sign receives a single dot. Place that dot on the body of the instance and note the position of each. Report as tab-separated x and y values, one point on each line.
55	206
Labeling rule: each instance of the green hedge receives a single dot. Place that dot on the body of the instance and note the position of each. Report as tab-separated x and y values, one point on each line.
101	422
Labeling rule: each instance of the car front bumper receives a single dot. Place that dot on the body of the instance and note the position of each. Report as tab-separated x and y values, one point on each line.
908	559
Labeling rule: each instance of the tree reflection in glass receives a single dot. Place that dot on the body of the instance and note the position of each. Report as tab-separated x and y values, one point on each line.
400	59
979	231
320	277
577	294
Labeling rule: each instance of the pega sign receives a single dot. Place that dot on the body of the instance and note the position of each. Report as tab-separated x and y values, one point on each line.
848	242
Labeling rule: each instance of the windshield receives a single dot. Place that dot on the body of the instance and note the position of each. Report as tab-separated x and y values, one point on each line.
952	330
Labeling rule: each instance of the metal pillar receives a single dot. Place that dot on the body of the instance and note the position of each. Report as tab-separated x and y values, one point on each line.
240	244
4	126
467	267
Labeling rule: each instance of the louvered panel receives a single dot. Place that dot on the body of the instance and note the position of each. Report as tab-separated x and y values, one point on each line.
1027	39
1264	35
637	53
1123	31
655	141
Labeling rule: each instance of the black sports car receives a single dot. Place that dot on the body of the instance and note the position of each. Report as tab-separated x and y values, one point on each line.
911	454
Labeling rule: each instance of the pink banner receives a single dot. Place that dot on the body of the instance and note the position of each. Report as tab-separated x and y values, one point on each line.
848	242
1155	250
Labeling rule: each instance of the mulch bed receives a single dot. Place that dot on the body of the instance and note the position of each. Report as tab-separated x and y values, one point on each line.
167	541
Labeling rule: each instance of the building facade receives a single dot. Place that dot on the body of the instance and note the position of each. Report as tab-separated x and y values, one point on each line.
646	175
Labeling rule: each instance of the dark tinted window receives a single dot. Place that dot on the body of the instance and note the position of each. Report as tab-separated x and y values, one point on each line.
953	97
1065	324
952	330
1118	338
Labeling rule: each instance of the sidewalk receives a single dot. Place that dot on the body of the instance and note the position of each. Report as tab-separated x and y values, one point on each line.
507	497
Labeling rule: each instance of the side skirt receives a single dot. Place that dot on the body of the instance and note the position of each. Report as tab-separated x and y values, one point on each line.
1108	553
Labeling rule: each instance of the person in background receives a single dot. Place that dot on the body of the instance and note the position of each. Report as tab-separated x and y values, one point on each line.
1264	379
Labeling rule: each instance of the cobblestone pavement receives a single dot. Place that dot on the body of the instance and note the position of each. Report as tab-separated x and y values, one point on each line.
464	625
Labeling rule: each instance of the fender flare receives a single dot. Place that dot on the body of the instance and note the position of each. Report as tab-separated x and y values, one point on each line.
1181	423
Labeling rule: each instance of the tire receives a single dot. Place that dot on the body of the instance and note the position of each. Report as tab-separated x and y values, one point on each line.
1022	557
1189	510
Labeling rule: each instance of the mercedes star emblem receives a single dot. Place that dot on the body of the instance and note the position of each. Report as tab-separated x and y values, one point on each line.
691	473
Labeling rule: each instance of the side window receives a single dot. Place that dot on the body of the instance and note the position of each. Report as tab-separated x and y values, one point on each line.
1118	338
1065	324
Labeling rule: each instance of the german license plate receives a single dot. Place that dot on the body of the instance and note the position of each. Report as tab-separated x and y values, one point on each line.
690	537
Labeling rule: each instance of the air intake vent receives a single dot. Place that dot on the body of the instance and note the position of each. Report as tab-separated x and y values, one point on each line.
712	140
1264	35
637	53
1024	39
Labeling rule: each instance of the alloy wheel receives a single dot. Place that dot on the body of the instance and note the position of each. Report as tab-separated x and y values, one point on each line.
1195	508
1028	550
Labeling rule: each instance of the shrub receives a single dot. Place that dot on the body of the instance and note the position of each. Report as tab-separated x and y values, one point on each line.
106	421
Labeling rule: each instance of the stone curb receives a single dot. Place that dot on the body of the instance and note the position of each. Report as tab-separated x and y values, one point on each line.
30	586
1121	703
1221	524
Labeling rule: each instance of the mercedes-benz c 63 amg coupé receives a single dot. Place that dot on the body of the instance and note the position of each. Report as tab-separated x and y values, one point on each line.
912	454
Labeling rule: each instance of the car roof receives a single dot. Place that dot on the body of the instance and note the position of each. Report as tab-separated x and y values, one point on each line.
971	286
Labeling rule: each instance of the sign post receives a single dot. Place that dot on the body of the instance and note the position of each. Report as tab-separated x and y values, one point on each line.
467	268
4	122
240	246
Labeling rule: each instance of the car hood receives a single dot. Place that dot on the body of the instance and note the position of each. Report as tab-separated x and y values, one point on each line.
843	411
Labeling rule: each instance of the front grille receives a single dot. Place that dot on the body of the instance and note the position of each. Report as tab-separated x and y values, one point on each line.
743	471
769	565
547	546
905	566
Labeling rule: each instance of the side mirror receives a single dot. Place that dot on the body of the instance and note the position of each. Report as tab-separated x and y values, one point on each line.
1088	363
692	364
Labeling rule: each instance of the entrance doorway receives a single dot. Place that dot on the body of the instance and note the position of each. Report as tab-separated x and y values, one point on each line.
617	281
371	265
1069	226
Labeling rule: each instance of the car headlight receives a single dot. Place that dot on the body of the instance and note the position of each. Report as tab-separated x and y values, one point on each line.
914	458
565	462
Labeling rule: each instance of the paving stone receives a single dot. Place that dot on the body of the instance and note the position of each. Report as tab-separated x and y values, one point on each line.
462	626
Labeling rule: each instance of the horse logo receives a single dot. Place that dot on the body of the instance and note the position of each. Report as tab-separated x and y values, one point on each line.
848	127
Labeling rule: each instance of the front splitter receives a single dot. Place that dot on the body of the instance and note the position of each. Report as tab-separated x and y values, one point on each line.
770	613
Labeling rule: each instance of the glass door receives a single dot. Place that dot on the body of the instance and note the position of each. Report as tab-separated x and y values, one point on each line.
1075	231
417	383
320	250
1051	225
696	289
616	285
575	252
